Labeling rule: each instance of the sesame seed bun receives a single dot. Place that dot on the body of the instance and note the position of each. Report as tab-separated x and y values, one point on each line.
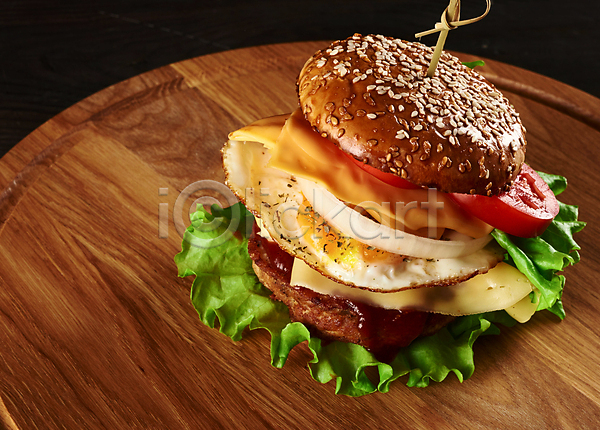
371	96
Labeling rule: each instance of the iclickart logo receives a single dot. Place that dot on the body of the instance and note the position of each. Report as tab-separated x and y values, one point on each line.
208	193
205	193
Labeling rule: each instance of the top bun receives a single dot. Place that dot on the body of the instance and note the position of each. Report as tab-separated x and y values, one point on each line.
371	96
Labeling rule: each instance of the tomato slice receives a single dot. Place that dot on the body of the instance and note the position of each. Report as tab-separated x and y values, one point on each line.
526	210
388	178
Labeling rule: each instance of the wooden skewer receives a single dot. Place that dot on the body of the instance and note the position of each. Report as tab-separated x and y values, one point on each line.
451	14
450	20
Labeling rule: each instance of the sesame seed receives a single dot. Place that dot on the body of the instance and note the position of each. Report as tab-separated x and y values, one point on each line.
414	144
401	134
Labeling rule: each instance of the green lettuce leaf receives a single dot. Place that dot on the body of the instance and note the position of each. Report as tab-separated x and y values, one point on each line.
225	289
473	64
225	286
541	258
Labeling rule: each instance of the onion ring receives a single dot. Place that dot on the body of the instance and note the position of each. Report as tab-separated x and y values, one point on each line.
352	223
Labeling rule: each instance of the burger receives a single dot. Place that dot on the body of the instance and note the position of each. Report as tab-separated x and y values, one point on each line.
393	221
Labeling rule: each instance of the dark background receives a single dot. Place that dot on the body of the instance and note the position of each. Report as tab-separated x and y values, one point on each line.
53	53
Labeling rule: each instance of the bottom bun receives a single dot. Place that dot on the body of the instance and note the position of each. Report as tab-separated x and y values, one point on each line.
382	331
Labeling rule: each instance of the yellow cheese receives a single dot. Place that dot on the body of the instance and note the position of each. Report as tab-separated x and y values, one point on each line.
265	131
299	151
501	288
524	309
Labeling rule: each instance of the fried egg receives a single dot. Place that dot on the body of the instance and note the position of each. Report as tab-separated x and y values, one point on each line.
275	197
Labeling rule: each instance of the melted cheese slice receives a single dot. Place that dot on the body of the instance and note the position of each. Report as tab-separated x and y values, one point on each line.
265	131
300	151
503	287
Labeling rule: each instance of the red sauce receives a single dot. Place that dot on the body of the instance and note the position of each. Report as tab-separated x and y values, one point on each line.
383	331
278	257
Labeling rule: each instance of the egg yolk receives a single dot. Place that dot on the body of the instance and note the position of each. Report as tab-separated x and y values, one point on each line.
335	245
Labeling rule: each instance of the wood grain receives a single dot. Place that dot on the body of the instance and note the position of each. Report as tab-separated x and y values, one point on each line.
96	330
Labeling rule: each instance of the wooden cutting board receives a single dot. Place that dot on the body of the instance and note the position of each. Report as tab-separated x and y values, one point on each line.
97	331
